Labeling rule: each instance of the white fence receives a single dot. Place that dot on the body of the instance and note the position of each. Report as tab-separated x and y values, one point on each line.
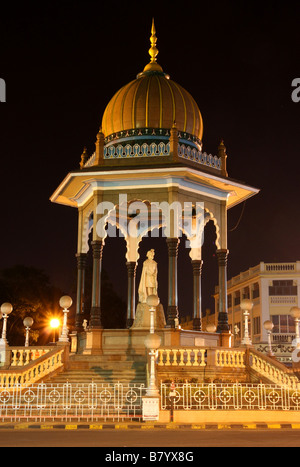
66	402
236	396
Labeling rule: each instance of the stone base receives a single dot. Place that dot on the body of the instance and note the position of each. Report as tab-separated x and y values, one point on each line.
142	317
130	343
226	339
93	344
5	355
151	406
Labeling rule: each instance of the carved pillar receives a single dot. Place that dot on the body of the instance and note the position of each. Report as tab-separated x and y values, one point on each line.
174	142
95	321
197	272
81	268
222	256
172	312
131	273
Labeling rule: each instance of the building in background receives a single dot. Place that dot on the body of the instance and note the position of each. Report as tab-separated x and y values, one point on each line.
274	289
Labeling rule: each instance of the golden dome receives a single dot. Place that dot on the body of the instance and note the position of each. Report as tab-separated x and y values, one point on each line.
153	101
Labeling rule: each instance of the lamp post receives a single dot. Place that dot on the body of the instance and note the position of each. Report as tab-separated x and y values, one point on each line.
65	302
246	307
6	310
211	328
28	322
269	326
295	313
152	342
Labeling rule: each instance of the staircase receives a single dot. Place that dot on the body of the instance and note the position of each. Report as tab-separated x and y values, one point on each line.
102	370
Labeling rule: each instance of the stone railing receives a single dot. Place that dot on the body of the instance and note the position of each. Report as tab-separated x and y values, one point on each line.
25	374
21	356
272	370
279	267
291	300
192	154
136	150
239	358
193	356
230	358
200	356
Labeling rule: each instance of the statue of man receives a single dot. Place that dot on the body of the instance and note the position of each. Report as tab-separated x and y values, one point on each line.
148	284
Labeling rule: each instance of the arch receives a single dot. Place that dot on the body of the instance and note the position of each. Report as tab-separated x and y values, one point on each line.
133	228
87	226
209	216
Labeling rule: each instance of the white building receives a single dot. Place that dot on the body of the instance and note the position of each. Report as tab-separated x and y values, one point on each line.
274	289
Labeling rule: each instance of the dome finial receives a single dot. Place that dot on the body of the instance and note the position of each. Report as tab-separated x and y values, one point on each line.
153	52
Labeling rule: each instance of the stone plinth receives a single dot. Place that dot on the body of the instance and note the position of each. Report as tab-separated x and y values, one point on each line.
142	317
131	342
93	343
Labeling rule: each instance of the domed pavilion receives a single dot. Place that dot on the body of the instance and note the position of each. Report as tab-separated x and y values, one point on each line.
149	151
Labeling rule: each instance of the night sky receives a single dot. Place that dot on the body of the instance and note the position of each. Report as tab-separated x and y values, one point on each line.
63	62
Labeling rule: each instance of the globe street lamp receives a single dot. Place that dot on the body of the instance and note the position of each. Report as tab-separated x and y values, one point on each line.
54	324
269	326
152	343
246	307
28	322
211	328
295	313
6	310
65	303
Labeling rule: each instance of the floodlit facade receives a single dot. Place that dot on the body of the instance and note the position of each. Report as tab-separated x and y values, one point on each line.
274	289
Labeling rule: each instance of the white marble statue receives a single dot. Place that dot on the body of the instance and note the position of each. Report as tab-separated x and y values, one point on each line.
148	284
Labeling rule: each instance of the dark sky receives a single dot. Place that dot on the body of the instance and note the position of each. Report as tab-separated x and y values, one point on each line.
62	63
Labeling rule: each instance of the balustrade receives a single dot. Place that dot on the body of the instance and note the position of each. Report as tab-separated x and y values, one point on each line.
230	358
273	371
39	367
23	356
181	357
197	357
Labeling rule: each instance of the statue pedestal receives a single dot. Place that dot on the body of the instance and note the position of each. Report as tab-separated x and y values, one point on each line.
93	344
142	317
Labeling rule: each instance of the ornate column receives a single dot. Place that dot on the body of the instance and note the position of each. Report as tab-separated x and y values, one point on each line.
197	272
95	320
222	256
81	268
131	273
172	311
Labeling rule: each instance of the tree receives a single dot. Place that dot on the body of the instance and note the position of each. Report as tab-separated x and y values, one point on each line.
29	291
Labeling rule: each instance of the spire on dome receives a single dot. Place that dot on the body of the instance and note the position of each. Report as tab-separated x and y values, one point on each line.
153	52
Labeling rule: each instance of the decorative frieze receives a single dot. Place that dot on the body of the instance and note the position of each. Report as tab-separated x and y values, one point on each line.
137	150
192	154
157	150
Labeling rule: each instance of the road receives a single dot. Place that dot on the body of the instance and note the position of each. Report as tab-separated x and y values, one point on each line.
159	438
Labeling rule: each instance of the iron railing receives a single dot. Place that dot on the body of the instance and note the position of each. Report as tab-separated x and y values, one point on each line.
237	396
81	402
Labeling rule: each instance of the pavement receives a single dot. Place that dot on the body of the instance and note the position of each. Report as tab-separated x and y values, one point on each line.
144	426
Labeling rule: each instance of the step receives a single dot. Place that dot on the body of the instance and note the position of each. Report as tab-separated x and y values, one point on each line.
102	375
